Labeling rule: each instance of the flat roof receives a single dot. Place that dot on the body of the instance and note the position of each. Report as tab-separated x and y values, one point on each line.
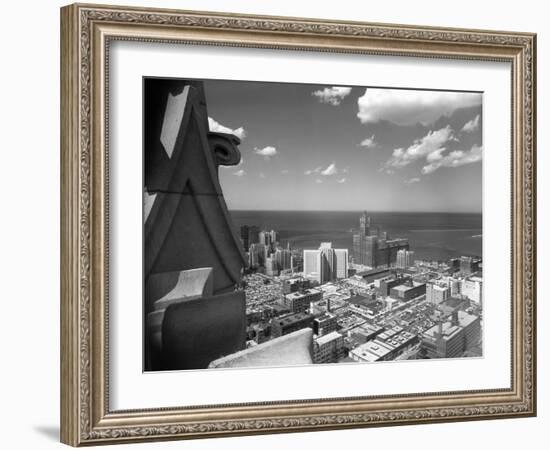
371	350
328	337
304	293
404	287
285	320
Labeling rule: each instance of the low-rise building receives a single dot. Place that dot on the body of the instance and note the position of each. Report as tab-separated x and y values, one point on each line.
437	293
325	324
328	348
450	339
299	301
291	322
381	349
406	292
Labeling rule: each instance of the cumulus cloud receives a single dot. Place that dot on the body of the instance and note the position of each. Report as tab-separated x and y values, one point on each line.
311	171
330	170
368	142
261	175
406	107
471	125
430	146
219	128
413	180
239	173
318	181
456	158
266	152
325	171
342	180
332	95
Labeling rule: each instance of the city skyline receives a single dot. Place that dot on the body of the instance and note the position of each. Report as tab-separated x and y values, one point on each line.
233	288
321	148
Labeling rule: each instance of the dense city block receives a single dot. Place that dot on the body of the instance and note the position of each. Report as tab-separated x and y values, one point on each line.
378	303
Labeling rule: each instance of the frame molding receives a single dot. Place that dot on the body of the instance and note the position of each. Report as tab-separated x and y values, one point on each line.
86	31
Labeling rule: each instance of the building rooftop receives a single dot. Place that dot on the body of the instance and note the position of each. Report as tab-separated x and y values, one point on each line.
321	340
372	350
300	294
292	318
448	329
405	288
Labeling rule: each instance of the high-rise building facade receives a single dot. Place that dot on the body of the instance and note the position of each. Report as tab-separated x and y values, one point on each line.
271	266
312	265
283	257
245	230
404	258
374	248
342	258
472	287
469	265
257	255
326	263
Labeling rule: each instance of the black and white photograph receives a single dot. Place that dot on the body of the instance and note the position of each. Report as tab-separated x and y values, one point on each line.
293	224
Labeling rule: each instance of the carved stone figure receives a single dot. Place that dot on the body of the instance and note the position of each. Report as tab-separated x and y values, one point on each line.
187	227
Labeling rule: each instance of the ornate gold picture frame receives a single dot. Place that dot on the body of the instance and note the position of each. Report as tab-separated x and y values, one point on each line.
87	31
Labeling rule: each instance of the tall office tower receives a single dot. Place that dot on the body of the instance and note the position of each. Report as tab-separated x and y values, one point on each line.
360	255
364	224
371	251
468	265
312	265
374	248
404	258
283	257
341	255
271	267
263	238
257	255
253	232
410	258
245	231
273	235
326	263
359	249
401	259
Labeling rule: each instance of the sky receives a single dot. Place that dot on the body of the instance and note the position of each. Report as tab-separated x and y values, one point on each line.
349	148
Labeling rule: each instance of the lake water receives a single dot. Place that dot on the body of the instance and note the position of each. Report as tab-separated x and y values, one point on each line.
432	236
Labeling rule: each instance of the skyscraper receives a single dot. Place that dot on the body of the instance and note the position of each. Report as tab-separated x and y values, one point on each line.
257	255
312	264
468	265
253	235
341	262
364	224
283	257
405	258
326	263
271	267
374	248
245	231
